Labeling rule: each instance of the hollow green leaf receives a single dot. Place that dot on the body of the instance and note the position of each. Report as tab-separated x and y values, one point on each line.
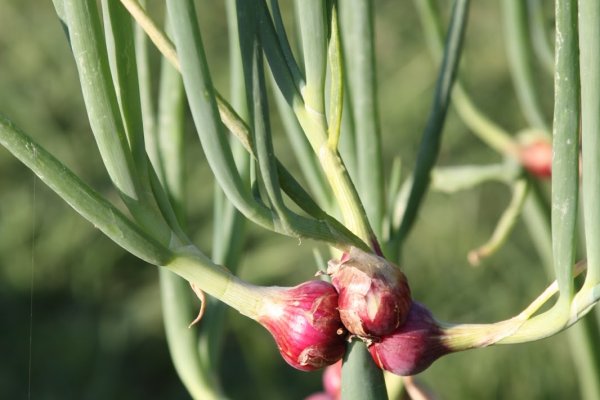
83	199
89	50
201	98
120	42
336	95
273	51
303	152
430	143
589	46
311	19
170	137
565	164
177	314
356	27
285	44
487	130
520	57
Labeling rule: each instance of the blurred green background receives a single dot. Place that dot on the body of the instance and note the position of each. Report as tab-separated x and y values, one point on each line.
81	319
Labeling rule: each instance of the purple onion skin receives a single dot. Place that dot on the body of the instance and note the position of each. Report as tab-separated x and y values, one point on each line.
306	325
413	347
374	296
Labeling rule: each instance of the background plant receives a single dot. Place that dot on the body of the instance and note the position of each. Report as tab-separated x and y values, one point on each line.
429	287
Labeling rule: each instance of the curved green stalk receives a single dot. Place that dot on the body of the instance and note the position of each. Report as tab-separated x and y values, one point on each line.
85	32
520	57
239	128
315	128
201	99
277	60
504	226
582	335
88	45
83	199
256	89
430	143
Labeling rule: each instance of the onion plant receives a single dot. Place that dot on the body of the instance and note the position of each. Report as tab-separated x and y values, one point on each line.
316	73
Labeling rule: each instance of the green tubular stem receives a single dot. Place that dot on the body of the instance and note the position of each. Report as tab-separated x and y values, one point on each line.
233	122
431	140
258	109
285	44
520	56
522	328
89	50
336	95
361	379
170	137
314	125
347	142
353	214
87	43
160	40
228	115
589	31
488	131
313	32
536	215
565	165
279	68
303	151
359	55
485	129
267	164
146	95
182	341
120	43
203	105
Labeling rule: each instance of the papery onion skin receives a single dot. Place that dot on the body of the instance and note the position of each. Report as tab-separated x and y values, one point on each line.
305	323
374	296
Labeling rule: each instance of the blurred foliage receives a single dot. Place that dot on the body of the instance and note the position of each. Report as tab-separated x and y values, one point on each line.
97	330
